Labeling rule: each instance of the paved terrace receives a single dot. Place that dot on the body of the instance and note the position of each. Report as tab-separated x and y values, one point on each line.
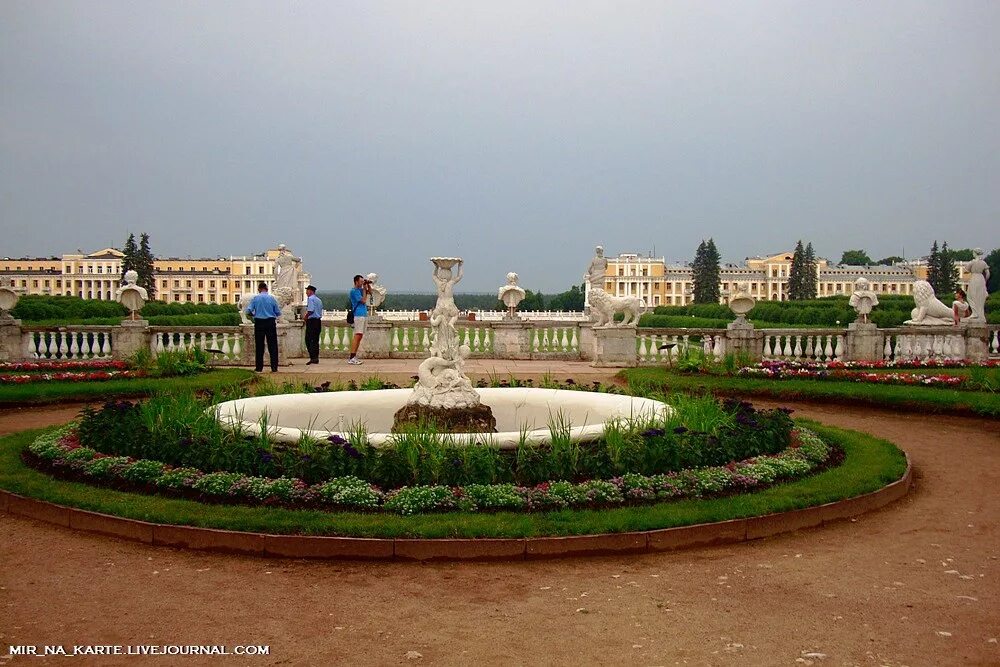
402	371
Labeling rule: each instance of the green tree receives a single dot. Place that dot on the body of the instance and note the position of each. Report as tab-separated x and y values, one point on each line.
144	266
962	255
532	301
890	260
947	273
810	278
131	258
571	299
797	274
934	266
855	258
993	261
705	272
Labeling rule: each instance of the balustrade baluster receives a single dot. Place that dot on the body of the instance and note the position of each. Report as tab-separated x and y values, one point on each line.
767	346
63	344
406	339
809	348
995	345
788	347
797	351
565	341
574	343
720	347
839	351
545	340
887	350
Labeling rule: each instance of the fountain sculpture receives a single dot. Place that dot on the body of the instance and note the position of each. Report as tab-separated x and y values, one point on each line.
443	395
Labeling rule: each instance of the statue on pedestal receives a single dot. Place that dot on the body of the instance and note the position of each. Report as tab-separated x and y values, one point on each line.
929	310
979	274
863	299
376	296
511	295
603	306
131	295
287	268
443	394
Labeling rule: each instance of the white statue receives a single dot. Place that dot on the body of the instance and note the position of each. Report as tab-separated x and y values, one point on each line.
287	268
603	306
441	382
376	297
929	311
131	295
863	299
979	273
597	270
511	295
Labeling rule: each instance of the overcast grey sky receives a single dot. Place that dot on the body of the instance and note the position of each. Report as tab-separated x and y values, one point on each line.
369	136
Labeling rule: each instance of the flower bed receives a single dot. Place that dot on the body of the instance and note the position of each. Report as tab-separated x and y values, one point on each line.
781	370
96	365
27	372
60	453
881	364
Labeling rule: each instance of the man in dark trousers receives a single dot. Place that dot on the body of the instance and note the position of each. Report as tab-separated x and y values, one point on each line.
314	324
265	311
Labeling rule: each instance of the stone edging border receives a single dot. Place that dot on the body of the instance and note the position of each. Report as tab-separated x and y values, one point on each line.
309	546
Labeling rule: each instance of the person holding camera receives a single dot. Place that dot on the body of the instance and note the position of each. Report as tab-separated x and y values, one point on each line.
359	307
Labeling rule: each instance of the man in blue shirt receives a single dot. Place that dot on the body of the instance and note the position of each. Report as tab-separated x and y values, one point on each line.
265	311
314	324
359	304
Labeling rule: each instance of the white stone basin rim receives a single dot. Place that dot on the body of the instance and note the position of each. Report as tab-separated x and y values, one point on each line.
289	416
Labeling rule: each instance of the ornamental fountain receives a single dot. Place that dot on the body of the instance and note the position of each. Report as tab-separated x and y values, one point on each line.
443	398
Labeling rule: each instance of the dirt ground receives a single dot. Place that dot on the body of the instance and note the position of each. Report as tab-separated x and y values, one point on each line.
913	584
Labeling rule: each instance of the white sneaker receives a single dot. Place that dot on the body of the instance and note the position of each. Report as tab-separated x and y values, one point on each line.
354	362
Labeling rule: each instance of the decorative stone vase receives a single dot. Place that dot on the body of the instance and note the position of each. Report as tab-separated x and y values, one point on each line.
8	299
741	304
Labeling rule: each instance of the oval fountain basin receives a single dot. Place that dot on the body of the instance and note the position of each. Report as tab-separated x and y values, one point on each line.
290	416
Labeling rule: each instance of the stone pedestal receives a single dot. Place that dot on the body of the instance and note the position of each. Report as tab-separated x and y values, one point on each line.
10	339
864	342
586	339
291	342
743	340
377	341
614	347
512	339
977	342
128	338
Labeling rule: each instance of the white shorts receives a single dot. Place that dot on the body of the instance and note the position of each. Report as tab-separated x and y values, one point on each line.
359	324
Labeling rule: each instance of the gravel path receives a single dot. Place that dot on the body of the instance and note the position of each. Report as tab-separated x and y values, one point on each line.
913	584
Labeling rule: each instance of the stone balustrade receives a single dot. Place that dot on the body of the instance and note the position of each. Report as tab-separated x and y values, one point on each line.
512	339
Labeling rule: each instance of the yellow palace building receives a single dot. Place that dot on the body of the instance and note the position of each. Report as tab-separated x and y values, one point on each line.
181	280
658	283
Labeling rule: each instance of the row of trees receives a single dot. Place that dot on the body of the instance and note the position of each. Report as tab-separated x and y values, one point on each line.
139	258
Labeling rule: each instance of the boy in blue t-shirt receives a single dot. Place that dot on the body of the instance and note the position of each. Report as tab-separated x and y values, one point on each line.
359	304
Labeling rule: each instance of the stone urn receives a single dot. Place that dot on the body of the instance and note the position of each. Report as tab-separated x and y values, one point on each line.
8	299
741	304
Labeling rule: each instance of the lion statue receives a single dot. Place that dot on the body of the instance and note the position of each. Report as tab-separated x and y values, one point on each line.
929	311
604	306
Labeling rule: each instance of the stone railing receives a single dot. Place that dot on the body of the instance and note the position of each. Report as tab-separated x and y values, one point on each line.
70	343
511	339
659	346
477	315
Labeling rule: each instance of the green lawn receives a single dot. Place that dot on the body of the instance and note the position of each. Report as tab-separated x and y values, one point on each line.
38	393
870	464
934	399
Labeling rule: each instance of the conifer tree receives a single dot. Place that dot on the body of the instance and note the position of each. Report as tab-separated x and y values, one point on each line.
705	272
131	258
810	278
934	267
796	275
947	275
144	266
